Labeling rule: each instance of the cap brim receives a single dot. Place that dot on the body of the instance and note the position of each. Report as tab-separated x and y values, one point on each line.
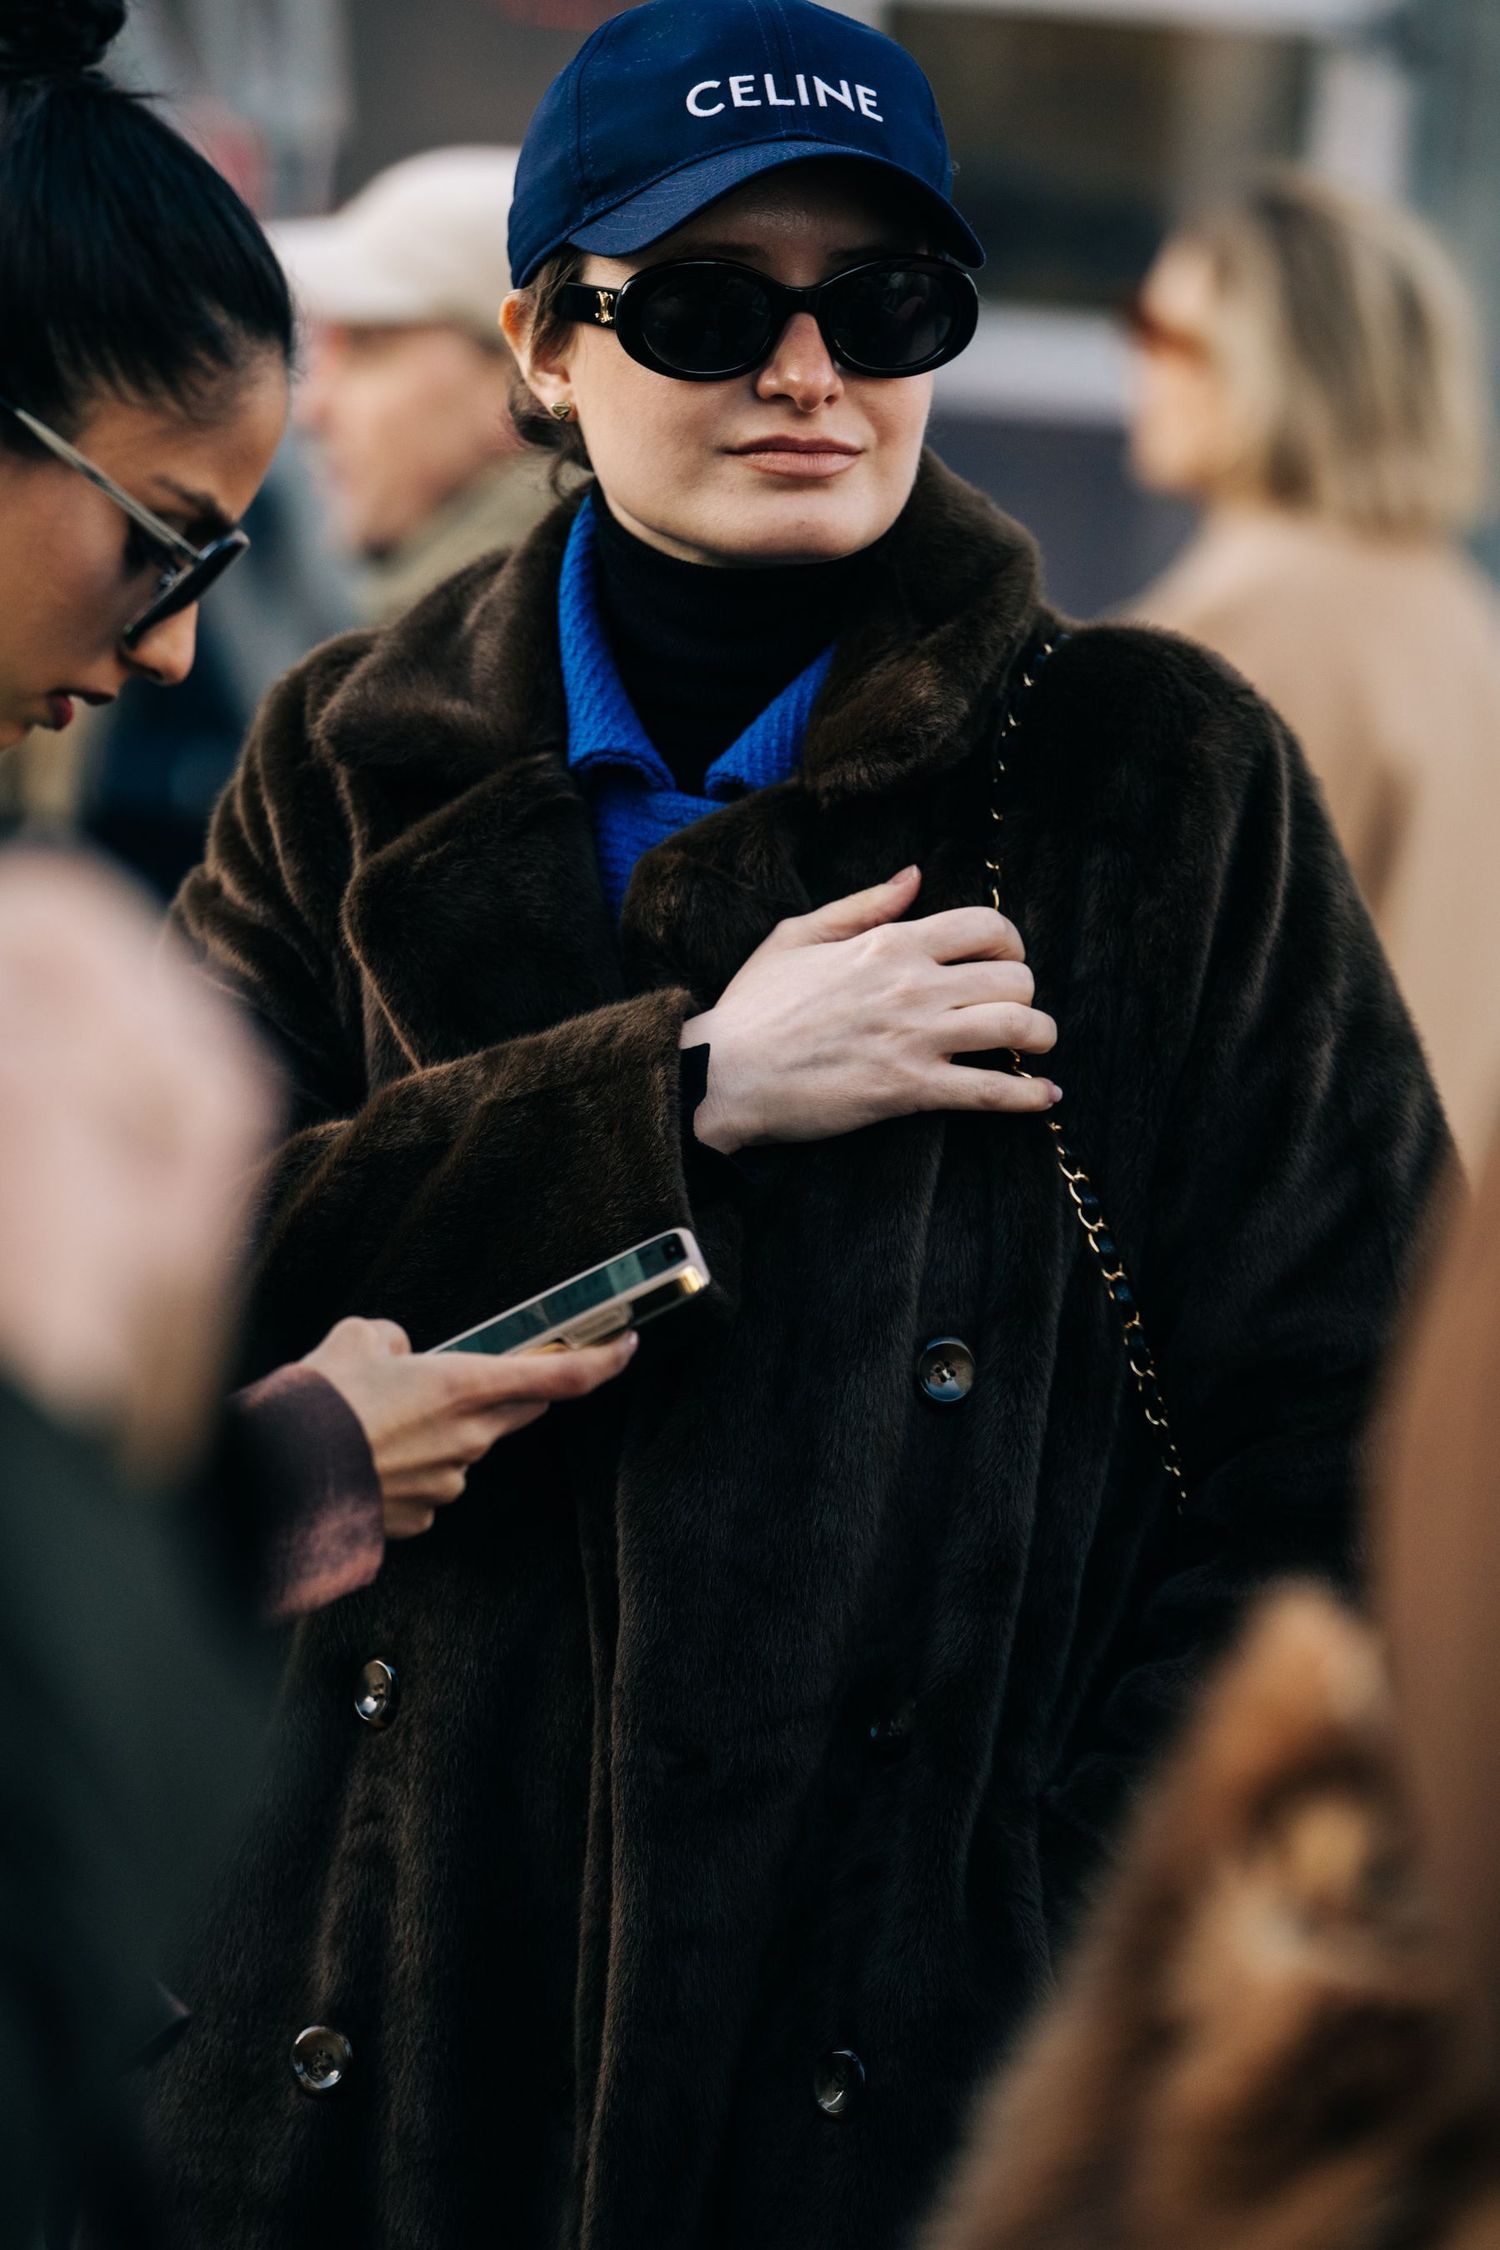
667	203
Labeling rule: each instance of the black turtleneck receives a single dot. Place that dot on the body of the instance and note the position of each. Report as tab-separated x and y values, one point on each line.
701	652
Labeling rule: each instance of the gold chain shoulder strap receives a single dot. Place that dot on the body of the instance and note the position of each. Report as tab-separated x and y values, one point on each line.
1082	1193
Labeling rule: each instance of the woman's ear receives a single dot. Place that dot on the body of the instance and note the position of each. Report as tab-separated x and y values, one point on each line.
546	374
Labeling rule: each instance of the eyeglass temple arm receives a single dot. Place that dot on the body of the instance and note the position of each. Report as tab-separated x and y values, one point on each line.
135	509
585	301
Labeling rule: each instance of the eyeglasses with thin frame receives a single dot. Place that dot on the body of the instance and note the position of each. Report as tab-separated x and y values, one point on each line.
709	320
194	569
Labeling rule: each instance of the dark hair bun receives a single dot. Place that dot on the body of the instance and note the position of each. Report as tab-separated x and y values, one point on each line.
55	38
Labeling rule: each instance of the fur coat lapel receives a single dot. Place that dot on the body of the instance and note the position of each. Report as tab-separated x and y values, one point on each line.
457	716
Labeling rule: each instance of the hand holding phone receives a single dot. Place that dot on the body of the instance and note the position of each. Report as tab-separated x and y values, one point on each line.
429	1417
429	1420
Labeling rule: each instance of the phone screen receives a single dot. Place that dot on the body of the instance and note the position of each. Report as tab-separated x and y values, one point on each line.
575	1298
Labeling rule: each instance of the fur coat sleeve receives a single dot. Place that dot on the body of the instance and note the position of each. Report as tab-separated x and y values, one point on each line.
1300	1111
489	1174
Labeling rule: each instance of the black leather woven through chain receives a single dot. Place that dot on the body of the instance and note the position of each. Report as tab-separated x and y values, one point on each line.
1081	1191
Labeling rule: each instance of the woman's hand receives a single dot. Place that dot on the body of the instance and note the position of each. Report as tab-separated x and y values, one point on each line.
429	1418
848	1015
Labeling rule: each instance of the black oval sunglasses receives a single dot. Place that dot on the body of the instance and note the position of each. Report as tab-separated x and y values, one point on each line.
187	572
707	320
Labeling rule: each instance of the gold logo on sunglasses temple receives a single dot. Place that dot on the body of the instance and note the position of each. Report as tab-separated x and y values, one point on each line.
606	312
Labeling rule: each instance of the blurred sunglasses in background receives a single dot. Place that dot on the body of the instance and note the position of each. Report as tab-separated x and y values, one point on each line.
1149	333
187	571
707	320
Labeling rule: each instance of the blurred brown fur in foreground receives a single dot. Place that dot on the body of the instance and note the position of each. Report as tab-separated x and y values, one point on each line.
1259	2044
1439	1591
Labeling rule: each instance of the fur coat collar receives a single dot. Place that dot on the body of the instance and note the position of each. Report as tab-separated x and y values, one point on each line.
456	716
957	589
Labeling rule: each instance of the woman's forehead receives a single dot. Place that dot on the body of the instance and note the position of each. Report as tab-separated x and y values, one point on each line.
199	469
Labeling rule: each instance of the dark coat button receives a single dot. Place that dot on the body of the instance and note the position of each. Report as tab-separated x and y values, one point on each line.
889	1736
320	2059
945	1370
837	2080
377	1694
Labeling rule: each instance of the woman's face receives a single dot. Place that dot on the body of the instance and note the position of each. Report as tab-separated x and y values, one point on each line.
1180	422
799	462
72	571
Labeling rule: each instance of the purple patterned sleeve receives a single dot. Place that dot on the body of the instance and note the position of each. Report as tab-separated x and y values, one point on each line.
322	1527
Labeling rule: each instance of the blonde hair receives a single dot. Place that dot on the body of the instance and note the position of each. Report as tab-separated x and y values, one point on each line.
1352	353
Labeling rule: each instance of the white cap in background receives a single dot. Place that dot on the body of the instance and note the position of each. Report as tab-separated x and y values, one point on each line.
423	243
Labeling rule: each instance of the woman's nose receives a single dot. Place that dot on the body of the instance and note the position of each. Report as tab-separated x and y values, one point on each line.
166	655
801	368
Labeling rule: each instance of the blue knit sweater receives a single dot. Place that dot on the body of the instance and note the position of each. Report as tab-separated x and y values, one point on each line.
632	797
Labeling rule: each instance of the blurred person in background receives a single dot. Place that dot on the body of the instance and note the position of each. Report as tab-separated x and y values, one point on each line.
1310	371
751	1758
407	384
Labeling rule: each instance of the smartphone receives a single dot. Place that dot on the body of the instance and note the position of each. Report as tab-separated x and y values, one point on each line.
623	1293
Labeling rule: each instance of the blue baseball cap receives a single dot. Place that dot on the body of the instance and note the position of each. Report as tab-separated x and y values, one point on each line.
669	106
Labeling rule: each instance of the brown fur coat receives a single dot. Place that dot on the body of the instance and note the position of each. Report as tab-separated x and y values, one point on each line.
1259	2044
764	1708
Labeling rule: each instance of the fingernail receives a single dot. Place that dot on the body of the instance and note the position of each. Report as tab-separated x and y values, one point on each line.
1054	1091
630	1340
905	874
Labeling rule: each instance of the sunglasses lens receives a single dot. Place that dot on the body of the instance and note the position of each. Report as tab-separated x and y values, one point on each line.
705	320
189	588
898	319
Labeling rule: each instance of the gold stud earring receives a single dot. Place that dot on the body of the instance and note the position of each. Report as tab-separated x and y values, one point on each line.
562	410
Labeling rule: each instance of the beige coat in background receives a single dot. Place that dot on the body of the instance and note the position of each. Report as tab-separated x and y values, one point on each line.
1384	658
495	510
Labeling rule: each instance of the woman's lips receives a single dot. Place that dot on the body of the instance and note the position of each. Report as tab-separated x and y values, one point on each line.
62	705
779	457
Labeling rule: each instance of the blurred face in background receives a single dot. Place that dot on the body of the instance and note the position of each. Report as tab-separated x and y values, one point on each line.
1180	433
694	468
404	420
